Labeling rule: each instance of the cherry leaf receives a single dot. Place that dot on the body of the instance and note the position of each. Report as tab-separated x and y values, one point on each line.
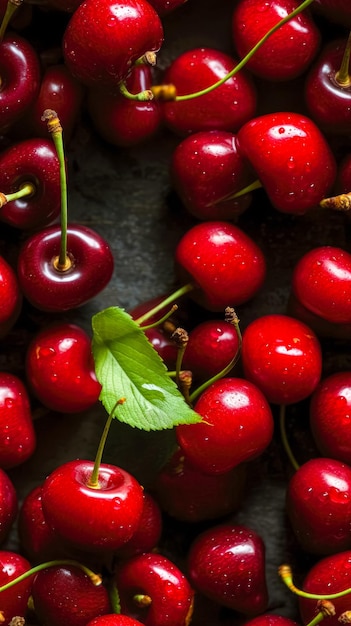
127	366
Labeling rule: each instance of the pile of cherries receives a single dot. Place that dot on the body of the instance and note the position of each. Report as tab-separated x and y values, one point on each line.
98	545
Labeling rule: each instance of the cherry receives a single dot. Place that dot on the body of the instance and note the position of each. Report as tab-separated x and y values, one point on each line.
18	438
95	518
205	169
224	264
322	327
10	297
237	426
101	43
148	533
120	120
66	594
225	108
163	7
14	600
282	356
318	485
227	564
9	505
31	162
60	368
114	619
189	495
270	619
291	158
288	52
154	590
322	283
338	11
329	415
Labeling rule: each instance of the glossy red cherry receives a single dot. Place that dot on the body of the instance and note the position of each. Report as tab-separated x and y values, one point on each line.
148	533
282	356
271	619
154	590
322	283
18	438
225	108
14	601
227	564
291	158
288	52
321	485
50	288
205	169
93	519
60	368
225	265
66	594
10	297
33	162
9	505
101	43
114	619
330	411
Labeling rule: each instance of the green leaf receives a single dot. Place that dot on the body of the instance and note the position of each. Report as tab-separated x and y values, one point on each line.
127	366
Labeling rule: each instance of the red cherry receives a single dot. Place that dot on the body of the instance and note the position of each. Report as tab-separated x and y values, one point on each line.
288	52
224	263
52	289
338	11
94	520
66	595
225	108
321	485
206	168
10	297
227	564
102	42
114	620
148	533
291	157
9	505
322	283
330	411
154	590
18	438
34	162
271	619
282	356
14	601
60	368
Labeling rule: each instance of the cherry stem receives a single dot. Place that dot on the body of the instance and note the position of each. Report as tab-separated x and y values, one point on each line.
95	578
142	600
284	438
114	599
318	618
232	196
286	575
181	338
343	77
93	483
167	301
342	202
62	262
232	318
142	96
11	8
23	192
162	319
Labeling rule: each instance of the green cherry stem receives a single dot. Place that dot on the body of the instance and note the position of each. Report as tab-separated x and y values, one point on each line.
343	77
163	319
62	262
284	438
232	196
93	482
95	578
114	598
11	8
166	302
286	575
24	191
142	96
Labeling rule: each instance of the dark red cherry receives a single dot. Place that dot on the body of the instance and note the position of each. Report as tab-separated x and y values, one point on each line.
9	505
10	297
18	437
225	108
338	11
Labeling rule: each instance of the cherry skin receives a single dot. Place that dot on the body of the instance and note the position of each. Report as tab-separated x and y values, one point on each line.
271	619
318	485
60	368
113	619
225	108
101	43
49	288
237	426
66	595
225	265
322	283
18	438
288	52
205	169
14	601
93	519
20	78
124	122
148	533
227	564
329	575
338	11
9	505
34	162
10	297
154	590
330	408
187	494
291	158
